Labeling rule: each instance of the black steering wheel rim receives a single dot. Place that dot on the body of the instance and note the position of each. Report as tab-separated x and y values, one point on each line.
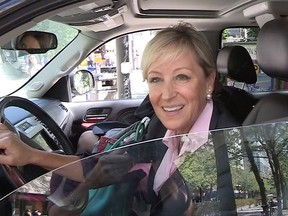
64	143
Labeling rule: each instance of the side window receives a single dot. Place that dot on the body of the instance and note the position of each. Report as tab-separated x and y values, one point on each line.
116	68
247	37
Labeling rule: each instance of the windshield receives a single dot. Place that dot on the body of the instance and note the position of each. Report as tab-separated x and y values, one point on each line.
17	67
237	169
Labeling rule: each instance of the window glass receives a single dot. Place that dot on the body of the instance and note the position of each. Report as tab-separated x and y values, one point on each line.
116	68
17	67
247	37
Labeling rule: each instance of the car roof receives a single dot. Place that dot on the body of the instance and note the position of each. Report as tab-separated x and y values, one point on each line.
116	17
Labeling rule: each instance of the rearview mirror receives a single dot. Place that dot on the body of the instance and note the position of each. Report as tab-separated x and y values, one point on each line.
33	42
36	42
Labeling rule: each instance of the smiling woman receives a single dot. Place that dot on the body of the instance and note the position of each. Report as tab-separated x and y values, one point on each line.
181	76
107	38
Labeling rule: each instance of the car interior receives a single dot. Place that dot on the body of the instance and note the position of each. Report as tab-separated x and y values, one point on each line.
51	104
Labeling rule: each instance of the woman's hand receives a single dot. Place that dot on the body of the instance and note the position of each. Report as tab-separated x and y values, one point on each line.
110	169
13	151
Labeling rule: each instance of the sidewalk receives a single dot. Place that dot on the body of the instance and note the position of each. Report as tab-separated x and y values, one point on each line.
249	210
254	211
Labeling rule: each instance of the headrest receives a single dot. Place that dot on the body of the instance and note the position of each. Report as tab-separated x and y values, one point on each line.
272	48
236	63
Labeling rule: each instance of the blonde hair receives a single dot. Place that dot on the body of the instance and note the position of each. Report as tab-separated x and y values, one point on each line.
173	41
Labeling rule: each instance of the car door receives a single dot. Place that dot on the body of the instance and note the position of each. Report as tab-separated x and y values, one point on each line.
245	165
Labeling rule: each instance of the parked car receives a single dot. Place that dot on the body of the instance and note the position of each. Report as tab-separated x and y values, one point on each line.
49	98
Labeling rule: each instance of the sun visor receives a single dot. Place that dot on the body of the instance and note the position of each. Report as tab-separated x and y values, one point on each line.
266	11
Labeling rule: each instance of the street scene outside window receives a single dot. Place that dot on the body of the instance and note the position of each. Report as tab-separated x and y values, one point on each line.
116	68
247	37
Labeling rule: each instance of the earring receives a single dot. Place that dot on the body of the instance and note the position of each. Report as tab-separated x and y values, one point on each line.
209	95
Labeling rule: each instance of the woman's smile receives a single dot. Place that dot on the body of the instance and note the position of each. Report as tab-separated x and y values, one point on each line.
173	109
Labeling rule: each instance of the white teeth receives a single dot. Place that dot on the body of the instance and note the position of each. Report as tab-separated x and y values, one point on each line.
171	109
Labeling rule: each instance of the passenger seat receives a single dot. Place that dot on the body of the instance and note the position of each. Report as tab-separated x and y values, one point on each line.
272	57
235	62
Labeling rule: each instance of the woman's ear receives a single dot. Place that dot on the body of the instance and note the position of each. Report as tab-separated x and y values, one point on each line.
211	81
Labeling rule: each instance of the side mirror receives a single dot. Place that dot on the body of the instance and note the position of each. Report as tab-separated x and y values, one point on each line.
33	42
82	82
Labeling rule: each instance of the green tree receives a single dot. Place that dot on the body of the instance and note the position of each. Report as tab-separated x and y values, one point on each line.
244	181
225	34
271	141
199	169
253	32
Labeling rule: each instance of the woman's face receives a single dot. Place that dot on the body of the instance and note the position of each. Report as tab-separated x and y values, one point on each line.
30	42
178	91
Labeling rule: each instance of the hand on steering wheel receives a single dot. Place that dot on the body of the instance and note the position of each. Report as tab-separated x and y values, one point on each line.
16	153
13	151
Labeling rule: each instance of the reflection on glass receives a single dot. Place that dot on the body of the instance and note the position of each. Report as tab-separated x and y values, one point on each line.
233	170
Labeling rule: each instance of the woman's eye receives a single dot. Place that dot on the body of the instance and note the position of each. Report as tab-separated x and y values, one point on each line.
154	79
182	77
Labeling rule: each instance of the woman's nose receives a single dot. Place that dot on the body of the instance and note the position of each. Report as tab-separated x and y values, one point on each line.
168	91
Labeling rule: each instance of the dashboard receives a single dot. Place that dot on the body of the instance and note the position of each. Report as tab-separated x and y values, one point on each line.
32	127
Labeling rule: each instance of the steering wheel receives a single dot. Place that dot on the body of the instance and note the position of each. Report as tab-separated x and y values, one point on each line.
13	174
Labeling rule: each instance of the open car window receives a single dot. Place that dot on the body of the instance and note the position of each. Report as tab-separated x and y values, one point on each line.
116	68
228	170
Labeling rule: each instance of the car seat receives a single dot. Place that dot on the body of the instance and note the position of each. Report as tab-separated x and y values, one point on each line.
235	62
272	55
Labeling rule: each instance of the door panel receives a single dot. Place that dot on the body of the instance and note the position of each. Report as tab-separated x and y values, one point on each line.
88	113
